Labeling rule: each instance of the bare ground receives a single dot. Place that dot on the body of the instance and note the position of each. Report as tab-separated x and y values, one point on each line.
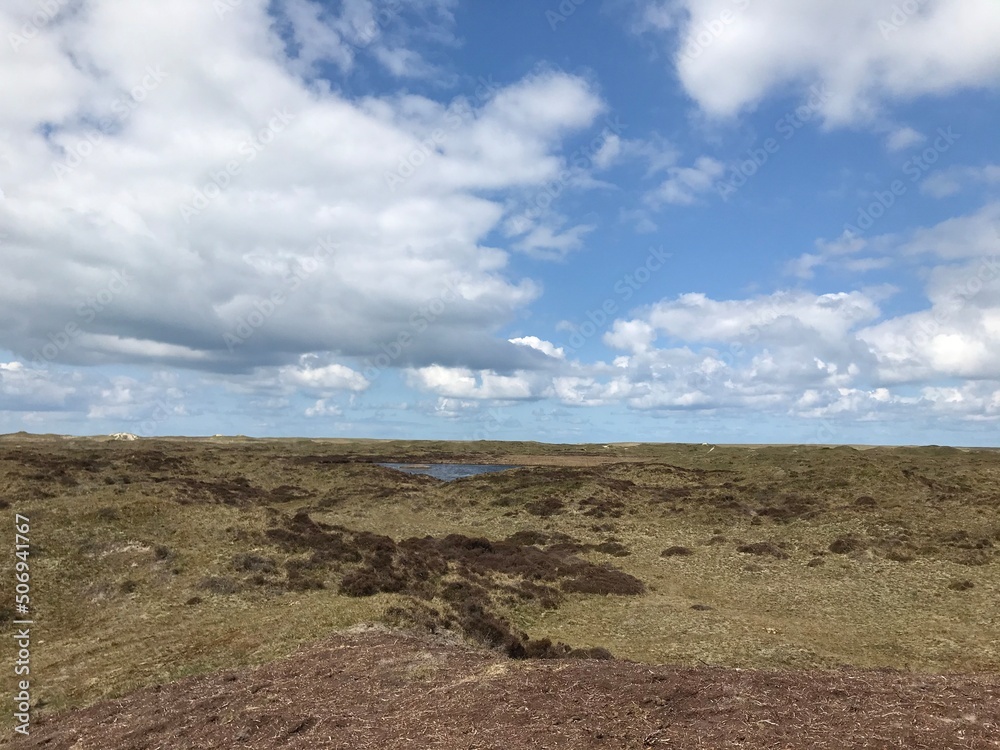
382	689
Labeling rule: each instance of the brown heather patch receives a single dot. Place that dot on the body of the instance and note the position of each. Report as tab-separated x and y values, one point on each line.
394	691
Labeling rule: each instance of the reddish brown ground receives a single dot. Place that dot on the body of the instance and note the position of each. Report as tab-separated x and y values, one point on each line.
391	690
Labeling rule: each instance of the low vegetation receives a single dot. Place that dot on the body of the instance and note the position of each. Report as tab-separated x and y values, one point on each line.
157	559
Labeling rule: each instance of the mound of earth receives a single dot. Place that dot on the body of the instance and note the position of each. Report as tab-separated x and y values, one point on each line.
381	689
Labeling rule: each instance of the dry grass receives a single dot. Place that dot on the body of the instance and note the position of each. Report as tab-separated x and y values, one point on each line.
136	544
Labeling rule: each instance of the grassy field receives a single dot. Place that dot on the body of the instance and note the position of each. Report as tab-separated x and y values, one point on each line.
162	558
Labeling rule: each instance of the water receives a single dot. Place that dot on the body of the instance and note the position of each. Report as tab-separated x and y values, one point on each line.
448	472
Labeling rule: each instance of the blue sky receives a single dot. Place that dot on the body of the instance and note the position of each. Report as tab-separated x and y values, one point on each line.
600	220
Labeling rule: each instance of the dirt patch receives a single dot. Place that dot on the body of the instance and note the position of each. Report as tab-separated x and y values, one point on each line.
464	698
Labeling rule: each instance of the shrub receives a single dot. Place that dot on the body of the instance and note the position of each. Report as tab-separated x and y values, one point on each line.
600	580
546	507
764	549
676	551
248	562
615	549
220	585
845	544
107	513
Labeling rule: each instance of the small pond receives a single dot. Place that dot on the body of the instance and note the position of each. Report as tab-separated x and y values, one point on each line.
448	472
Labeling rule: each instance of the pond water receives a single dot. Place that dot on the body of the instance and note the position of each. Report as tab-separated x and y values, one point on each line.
448	472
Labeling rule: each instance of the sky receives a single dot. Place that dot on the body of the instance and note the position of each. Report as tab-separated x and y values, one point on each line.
722	221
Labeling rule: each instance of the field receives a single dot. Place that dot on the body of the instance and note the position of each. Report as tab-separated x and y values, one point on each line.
163	559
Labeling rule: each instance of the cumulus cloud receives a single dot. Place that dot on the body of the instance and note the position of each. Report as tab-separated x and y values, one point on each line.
257	213
731	54
546	347
330	377
465	383
696	317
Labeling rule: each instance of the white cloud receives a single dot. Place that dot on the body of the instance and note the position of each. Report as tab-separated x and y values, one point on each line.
608	153
214	205
464	383
839	253
803	315
969	236
322	408
656	153
548	242
546	347
630	335
684	185
331	377
903	138
639	219
942	183
866	53
317	40
24	388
